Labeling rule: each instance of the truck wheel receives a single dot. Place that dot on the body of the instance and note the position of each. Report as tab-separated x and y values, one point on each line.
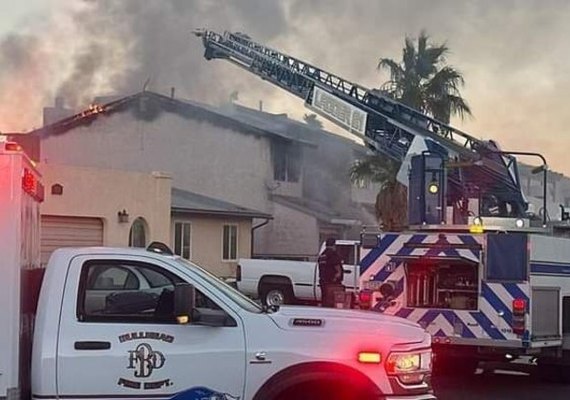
276	295
325	391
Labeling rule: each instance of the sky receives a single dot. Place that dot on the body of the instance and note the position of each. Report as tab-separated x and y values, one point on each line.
514	55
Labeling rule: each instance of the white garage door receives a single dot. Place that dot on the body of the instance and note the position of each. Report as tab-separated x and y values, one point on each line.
69	232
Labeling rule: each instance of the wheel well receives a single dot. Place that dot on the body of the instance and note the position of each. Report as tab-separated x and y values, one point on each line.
274	280
313	372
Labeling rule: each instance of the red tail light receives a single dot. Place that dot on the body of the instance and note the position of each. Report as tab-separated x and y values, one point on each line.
519	316
238	273
519	305
13	146
365	299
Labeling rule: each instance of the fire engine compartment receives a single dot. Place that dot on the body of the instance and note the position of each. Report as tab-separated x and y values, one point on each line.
442	284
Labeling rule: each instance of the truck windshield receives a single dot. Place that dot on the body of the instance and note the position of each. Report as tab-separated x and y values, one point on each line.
237	297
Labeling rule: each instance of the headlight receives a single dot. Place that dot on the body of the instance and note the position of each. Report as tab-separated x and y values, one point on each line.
410	367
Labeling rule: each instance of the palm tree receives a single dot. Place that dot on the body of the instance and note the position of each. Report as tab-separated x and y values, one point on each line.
422	80
390	213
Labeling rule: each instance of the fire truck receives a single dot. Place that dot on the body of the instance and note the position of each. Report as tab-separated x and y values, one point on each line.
21	195
485	279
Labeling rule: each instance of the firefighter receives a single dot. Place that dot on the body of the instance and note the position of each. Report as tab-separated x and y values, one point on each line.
387	291
330	272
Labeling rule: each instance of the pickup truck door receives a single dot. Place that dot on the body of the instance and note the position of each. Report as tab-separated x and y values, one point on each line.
349	254
132	347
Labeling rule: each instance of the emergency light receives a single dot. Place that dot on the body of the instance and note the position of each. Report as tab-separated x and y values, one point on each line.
433	188
519	316
12	146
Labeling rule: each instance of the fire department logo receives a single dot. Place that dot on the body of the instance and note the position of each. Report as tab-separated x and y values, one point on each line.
144	360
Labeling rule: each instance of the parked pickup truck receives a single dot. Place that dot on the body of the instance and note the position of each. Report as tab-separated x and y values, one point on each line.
125	323
278	282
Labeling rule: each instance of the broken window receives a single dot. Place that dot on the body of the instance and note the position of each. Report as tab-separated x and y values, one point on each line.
286	158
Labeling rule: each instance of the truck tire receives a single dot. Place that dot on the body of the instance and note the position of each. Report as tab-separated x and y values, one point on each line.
326	390
319	381
276	295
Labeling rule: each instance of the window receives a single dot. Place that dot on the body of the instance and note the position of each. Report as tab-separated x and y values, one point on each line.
229	243
286	161
112	278
137	235
347	254
182	234
126	292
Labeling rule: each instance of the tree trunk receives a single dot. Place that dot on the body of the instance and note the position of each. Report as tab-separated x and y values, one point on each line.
392	207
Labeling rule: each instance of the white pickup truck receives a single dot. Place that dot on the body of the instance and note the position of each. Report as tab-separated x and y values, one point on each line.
124	323
105	323
278	282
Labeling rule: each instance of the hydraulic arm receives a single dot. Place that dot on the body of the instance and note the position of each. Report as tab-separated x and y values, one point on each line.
475	168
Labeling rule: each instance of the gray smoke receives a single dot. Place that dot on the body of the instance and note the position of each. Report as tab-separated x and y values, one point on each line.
161	47
87	48
513	54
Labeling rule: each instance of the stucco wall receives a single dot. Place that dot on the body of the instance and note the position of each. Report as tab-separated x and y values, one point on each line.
206	241
89	192
215	161
201	157
290	233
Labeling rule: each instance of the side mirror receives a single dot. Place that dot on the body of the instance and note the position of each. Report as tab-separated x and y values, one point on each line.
184	300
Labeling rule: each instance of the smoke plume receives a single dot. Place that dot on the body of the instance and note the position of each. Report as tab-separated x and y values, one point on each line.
513	54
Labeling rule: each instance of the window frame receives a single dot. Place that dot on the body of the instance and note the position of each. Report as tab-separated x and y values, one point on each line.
229	259
80	312
183	223
289	156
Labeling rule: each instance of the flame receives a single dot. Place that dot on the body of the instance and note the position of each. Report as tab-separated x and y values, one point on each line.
93	109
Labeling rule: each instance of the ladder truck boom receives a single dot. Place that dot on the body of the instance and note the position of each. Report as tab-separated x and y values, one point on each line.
386	125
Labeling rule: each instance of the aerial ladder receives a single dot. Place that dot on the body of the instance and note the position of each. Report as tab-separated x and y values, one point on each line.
457	168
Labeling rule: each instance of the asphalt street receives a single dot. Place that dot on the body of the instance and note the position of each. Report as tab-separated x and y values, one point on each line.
498	385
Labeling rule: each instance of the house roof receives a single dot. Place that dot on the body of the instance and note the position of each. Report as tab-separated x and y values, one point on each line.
152	103
184	201
360	213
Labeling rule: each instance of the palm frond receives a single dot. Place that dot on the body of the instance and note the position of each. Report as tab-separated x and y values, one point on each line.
395	70
374	168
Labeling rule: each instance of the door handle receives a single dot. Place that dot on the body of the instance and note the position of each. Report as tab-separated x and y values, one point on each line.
92	345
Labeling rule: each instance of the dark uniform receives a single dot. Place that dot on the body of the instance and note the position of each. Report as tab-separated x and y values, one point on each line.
330	273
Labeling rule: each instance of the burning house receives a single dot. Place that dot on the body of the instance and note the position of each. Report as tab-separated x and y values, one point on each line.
292	179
